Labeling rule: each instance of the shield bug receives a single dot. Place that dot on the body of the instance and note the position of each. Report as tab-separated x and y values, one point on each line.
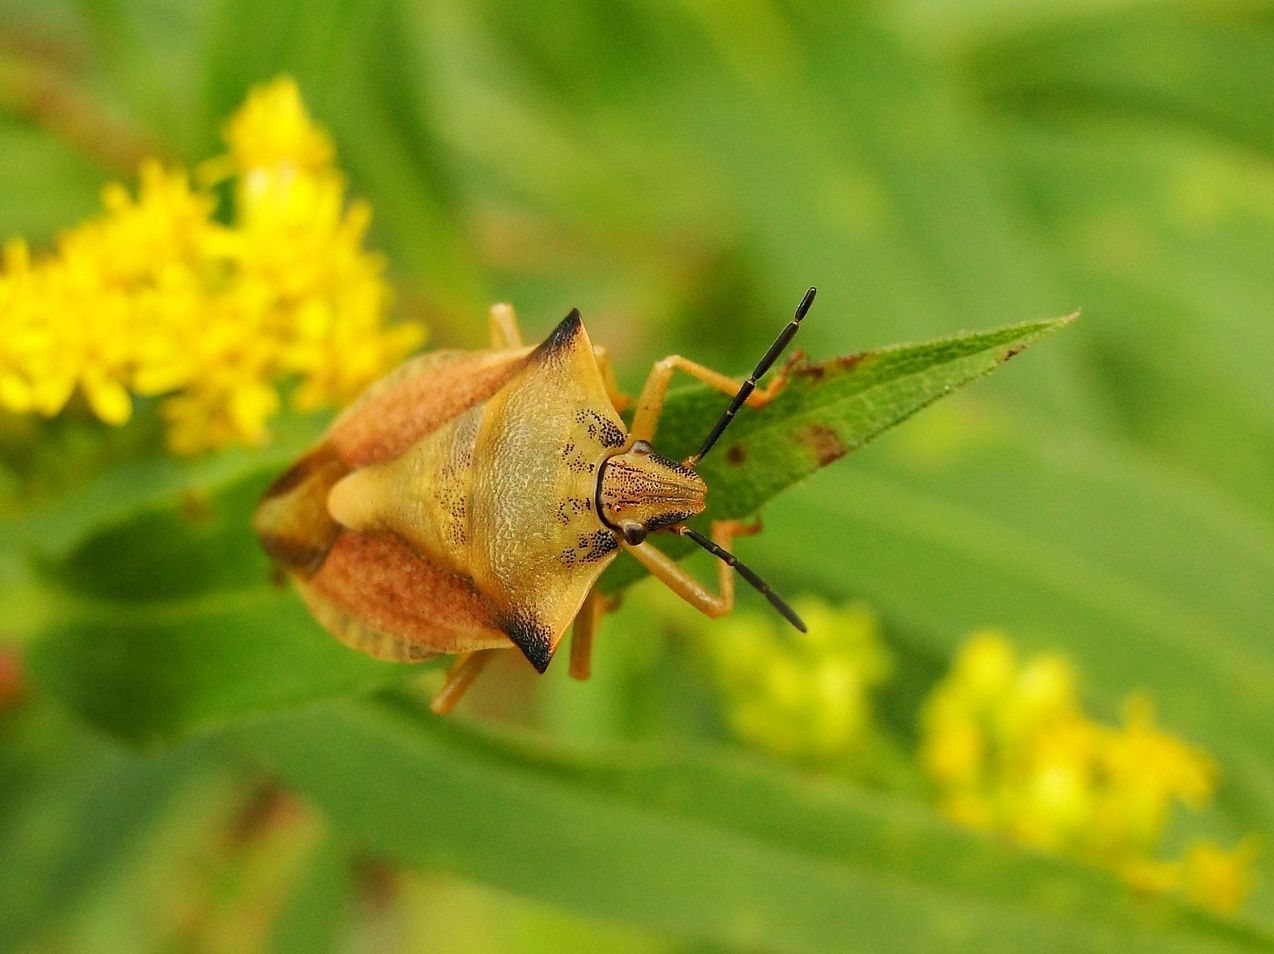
468	501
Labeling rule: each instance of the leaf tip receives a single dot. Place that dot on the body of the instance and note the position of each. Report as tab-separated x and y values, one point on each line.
1040	329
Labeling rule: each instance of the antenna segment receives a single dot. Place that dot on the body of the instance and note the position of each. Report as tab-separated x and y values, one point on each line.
776	349
746	572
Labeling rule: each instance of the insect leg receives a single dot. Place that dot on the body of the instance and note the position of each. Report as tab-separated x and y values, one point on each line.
505	333
680	580
651	402
584	631
459	678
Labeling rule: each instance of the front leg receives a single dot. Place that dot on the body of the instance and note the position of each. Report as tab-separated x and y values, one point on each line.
618	399
651	402
682	582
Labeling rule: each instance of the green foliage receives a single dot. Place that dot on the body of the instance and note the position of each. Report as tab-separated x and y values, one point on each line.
703	847
680	172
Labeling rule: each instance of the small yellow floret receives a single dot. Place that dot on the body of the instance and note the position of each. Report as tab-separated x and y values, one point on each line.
272	130
1216	878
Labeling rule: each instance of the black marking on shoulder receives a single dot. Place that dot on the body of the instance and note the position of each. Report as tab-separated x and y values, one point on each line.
569	507
589	548
560	338
600	428
533	638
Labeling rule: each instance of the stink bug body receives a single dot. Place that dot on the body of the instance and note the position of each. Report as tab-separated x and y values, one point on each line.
468	501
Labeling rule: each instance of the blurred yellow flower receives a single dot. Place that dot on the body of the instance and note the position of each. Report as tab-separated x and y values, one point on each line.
1008	749
1216	878
158	297
1207	874
808	698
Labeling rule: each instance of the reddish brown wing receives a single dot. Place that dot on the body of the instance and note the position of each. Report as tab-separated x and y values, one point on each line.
411	401
364	588
372	586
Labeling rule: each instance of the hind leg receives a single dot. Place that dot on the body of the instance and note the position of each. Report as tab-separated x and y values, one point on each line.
466	668
584	631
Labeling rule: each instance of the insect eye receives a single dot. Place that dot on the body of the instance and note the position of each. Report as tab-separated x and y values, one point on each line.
634	533
641	447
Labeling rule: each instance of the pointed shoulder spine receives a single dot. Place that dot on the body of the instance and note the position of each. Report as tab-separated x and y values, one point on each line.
567	330
534	639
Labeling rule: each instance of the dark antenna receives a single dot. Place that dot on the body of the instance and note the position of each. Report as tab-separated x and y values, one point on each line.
749	385
744	571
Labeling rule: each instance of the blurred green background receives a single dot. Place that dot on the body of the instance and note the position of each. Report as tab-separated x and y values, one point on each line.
680	172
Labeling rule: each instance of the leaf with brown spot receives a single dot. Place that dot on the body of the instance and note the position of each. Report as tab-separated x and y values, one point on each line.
828	409
824	443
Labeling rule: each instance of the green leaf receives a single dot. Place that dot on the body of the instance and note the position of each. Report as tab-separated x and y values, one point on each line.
1199	293
703	848
828	410
76	812
321	901
153	673
1163	65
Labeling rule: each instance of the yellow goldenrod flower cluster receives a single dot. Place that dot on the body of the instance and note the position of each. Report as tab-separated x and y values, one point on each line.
806	698
1010	750
161	295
